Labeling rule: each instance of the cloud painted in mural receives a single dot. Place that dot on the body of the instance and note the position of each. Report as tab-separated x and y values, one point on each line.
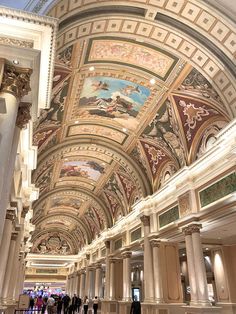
84	169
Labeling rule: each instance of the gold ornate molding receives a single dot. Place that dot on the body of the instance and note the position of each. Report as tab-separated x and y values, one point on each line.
23	115
16	81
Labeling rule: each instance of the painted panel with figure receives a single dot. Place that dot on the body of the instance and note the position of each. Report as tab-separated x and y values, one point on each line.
141	56
65	202
84	169
112	98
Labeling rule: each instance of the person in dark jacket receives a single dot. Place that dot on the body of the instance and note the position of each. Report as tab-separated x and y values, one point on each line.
59	305
74	303
135	307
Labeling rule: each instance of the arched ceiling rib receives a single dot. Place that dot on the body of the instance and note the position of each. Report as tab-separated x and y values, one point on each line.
133	102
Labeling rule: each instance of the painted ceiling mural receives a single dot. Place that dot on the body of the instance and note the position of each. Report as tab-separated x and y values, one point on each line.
125	116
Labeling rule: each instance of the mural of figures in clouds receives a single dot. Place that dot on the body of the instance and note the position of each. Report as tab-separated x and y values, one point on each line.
65	202
84	169
113	98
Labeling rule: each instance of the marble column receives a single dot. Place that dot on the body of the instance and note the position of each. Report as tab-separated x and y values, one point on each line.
112	278
77	283
10	260
200	269
126	276
15	265
196	266
82	284
91	289
157	271
15	85
148	263
98	280
191	266
5	246
107	282
69	285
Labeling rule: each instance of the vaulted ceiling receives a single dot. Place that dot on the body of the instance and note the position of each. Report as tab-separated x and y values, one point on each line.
134	99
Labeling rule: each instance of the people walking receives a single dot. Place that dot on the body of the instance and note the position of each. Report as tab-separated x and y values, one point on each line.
86	304
50	305
135	306
66	302
74	303
95	305
39	303
79	304
59	305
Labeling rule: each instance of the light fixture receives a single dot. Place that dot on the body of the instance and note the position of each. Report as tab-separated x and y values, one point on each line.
76	122
152	81
124	129
92	68
15	61
207	249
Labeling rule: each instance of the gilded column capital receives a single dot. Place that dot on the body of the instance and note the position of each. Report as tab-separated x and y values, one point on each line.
155	242
24	211
107	244
145	220
98	265
14	236
10	214
126	254
23	115
192	229
16	80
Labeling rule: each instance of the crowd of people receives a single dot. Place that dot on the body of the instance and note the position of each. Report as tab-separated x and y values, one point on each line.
65	304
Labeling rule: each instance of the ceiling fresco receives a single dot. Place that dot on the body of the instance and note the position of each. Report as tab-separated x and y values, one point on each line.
125	116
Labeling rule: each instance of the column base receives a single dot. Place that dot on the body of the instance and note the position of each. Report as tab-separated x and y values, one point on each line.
202	309
124	307
227	308
109	307
162	308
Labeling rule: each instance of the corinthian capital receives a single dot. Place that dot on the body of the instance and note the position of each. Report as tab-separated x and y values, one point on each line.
192	229
23	115
145	220
16	81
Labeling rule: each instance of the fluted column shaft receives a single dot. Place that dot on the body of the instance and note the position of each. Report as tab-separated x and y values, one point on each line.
196	266
157	271
112	278
10	260
98	281
15	265
4	248
126	276
191	268
82	284
148	263
203	296
107	283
